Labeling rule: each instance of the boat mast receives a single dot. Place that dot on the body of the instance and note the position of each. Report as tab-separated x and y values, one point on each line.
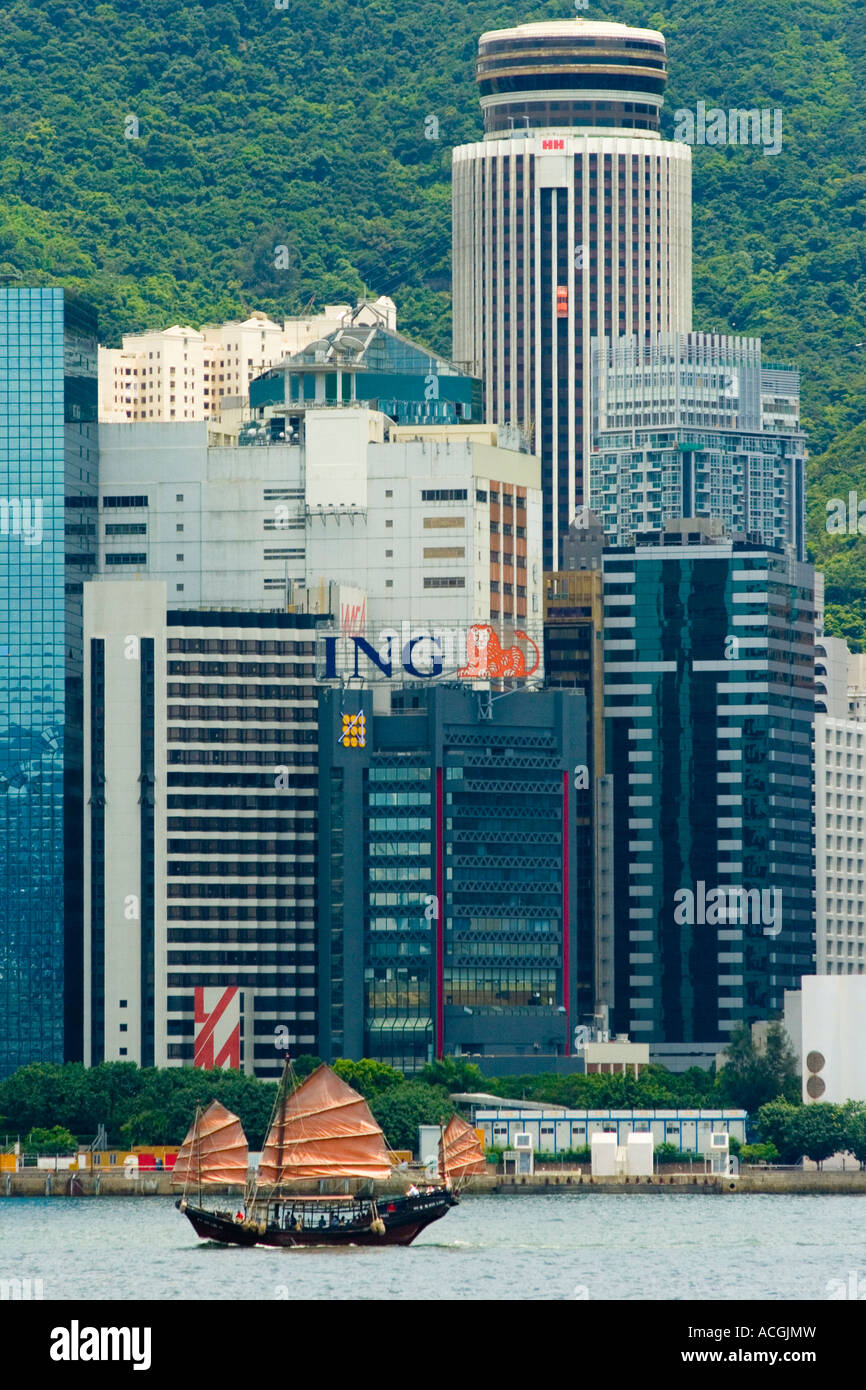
279	1108
444	1154
197	1144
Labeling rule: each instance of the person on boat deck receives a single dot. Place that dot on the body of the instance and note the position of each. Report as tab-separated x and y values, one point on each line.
412	1191
322	1223
335	1220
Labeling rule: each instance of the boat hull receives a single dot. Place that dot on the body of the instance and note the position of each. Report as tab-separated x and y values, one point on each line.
402	1225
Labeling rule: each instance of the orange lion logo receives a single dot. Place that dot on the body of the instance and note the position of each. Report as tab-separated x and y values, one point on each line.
488	661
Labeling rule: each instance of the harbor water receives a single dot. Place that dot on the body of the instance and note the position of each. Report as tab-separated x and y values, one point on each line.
566	1246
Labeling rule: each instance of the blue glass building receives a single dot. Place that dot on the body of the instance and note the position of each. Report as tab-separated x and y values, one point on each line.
48	465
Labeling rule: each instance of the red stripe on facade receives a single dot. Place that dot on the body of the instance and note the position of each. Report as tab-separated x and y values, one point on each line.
440	926
231	1053
566	924
204	1042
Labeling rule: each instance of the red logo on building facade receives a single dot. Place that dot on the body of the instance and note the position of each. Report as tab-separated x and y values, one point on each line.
553	144
488	660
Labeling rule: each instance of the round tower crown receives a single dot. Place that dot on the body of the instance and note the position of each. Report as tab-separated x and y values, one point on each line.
566	74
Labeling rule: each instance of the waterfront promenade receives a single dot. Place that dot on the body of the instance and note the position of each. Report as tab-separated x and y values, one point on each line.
42	1183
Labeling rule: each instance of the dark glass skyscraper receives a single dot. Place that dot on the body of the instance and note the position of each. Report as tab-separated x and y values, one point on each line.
449	900
709	705
48	466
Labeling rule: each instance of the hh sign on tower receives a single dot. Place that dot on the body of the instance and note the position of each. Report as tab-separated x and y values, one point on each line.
217	1027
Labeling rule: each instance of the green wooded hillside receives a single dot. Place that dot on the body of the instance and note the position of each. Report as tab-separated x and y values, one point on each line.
304	127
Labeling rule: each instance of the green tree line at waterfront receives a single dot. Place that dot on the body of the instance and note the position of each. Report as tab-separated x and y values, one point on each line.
151	1105
154	156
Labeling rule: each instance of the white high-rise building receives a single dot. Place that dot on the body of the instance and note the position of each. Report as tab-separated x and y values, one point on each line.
434	523
439	524
200	770
571	221
202	518
840	845
839	762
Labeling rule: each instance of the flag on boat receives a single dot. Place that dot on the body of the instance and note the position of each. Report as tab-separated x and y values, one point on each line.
214	1150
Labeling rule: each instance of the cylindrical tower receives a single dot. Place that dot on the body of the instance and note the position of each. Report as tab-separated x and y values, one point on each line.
571	220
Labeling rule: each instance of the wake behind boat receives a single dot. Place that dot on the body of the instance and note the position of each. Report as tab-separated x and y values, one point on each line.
320	1129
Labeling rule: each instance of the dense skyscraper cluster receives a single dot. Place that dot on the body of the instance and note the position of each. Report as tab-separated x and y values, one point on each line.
376	704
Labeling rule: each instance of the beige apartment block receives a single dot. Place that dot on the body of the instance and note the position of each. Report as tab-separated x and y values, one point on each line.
183	373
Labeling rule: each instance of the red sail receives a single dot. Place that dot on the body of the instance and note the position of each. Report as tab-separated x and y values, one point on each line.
460	1153
324	1129
214	1150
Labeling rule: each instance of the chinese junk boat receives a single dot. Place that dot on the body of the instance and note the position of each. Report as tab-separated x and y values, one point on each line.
322	1129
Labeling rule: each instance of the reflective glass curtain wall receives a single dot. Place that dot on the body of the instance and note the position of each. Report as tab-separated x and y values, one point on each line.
48	485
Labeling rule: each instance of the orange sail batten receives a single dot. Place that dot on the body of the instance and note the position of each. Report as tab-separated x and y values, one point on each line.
324	1129
214	1150
460	1152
